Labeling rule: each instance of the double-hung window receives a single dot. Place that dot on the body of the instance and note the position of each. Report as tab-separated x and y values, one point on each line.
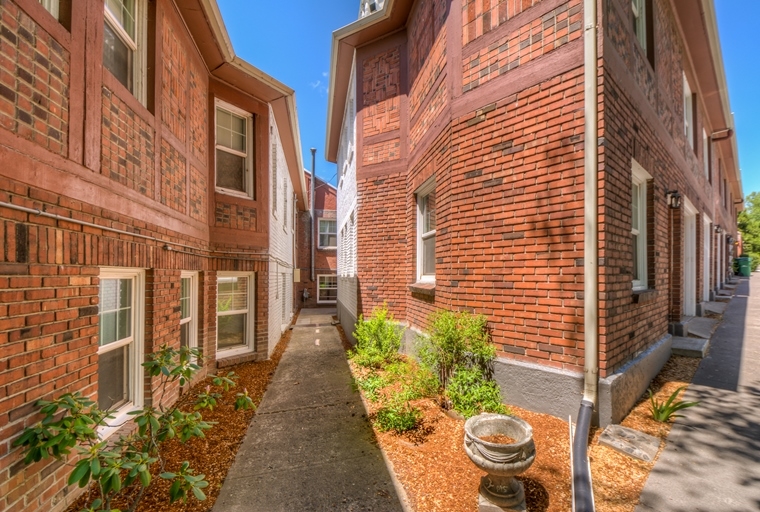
641	11
234	150
426	220
124	44
639	225
688	112
52	7
328	234
188	306
234	309
706	154
327	288
120	343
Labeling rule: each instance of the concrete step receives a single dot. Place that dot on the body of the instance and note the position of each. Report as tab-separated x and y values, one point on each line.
689	347
701	327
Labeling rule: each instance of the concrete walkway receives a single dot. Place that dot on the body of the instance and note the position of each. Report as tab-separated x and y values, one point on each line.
711	462
310	447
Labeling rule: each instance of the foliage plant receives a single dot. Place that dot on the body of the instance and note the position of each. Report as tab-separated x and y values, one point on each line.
749	225
471	393
73	421
371	385
378	339
662	412
459	353
398	415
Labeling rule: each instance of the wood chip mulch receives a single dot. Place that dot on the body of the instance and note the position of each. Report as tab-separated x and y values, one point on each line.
214	454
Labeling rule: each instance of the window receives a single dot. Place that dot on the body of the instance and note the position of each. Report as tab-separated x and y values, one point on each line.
234	150
120	340
327	288
426	216
642	26
188	305
688	112
706	154
234	311
124	44
51	6
639	225
274	180
328	234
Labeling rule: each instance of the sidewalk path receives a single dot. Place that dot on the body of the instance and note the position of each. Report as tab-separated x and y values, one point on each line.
711	462
309	447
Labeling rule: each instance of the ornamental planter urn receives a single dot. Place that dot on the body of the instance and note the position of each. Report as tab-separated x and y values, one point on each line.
502	446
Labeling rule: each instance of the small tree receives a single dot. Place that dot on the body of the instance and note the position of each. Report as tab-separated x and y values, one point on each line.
378	339
72	421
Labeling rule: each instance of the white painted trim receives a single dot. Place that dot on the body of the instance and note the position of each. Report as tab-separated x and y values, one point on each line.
424	190
706	242
690	259
137	355
192	341
320	301
319	233
249	145
640	176
250	342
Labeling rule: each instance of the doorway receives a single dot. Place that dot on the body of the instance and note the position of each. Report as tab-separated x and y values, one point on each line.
690	260
706	243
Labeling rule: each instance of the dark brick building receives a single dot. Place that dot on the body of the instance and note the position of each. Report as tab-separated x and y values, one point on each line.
142	165
458	130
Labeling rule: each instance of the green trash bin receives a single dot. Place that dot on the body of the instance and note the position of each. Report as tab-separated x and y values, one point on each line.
744	268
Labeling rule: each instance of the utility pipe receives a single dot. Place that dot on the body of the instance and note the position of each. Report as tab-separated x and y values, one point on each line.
583	498
313	221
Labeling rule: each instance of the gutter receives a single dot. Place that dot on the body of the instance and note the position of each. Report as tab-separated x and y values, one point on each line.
312	186
583	495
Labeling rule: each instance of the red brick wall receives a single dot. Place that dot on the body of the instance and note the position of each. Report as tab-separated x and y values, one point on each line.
481	16
173	178
174	79
380	152
380	97
34	78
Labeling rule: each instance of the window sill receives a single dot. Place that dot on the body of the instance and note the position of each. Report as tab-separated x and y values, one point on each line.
423	288
233	193
644	296
121	417
225	353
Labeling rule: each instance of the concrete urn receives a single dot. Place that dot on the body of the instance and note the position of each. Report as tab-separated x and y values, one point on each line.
499	490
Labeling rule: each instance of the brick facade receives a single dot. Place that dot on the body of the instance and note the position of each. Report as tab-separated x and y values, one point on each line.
495	114
101	180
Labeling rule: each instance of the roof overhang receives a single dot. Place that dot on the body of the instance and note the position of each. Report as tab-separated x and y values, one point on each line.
391	17
205	23
700	31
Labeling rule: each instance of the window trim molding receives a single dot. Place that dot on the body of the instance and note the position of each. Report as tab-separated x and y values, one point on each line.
249	179
137	374
319	234
138	46
250	345
320	301
424	190
192	341
688	113
640	177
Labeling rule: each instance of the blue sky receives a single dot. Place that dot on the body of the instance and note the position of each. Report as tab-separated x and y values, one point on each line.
293	45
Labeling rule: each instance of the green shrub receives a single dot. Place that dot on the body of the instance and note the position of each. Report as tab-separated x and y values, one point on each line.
398	416
371	385
455	340
471	393
662	412
377	339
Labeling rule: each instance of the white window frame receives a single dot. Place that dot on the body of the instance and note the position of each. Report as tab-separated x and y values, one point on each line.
639	9
320	233
250	344
248	155
706	153
421	193
192	341
319	281
137	340
138	46
640	177
52	6
688	112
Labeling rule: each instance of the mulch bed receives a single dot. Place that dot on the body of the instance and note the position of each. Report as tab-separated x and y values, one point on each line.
430	461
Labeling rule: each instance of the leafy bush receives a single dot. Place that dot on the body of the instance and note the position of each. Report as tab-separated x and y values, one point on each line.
664	411
72	421
371	385
377	339
471	393
456	340
398	416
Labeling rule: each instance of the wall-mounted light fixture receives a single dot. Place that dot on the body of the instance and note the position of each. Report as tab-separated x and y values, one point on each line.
730	240
674	198
718	229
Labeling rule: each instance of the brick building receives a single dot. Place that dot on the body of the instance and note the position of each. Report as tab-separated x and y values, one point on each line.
149	188
458	130
318	284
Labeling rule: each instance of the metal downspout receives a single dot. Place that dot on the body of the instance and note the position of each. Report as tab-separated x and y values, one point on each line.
583	497
311	205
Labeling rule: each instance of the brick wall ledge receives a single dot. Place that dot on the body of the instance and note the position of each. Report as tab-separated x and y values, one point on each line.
423	288
644	296
236	359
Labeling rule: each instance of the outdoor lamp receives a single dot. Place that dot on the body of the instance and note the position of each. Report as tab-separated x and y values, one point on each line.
674	199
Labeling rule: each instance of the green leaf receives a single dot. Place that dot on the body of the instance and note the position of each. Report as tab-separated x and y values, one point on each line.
81	469
167	476
199	494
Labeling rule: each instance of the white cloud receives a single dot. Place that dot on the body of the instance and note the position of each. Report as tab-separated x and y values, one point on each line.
316	84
